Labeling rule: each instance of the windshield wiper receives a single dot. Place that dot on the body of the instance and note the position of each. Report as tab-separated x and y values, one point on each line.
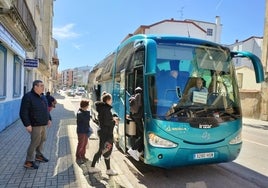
230	114
184	111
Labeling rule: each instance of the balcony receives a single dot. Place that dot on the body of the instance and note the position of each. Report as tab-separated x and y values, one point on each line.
16	17
55	61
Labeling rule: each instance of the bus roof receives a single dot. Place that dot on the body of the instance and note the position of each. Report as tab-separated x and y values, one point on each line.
163	38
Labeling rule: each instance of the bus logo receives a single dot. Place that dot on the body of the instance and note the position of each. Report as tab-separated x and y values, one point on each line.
168	129
206	136
205	126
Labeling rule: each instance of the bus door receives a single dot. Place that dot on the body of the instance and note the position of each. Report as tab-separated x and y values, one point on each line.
119	132
134	80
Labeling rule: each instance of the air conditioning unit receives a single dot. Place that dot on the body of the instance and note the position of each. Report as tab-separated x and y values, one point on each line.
5	4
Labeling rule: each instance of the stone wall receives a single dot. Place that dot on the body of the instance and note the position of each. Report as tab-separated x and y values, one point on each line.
251	104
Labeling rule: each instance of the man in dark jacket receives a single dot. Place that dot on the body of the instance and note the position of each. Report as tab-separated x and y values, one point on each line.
35	117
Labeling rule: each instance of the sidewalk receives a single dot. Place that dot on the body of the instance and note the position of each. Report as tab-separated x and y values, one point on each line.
60	171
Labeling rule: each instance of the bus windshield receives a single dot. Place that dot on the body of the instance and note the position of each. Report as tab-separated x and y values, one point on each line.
193	81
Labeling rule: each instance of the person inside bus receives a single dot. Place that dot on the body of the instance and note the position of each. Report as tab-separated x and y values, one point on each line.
198	87
136	114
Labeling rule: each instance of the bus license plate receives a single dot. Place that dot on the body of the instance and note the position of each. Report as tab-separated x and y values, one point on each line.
207	155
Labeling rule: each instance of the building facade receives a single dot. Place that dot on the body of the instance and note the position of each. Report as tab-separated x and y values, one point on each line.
72	78
25	34
264	109
186	28
67	78
250	92
80	75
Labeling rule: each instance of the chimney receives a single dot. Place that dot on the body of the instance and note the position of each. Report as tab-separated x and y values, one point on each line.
218	26
218	20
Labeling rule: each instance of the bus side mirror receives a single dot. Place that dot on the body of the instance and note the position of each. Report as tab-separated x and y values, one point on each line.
259	74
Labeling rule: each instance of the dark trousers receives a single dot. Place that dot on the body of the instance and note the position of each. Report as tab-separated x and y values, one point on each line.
100	152
81	146
138	145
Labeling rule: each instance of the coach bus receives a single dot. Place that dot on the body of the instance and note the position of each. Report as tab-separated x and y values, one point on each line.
180	128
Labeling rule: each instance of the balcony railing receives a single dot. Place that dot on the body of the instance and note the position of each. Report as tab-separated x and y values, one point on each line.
26	16
20	23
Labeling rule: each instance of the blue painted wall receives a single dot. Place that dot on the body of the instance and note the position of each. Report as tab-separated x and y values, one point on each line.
9	113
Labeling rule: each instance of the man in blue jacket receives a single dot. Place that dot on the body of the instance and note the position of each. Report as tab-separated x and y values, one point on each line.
35	117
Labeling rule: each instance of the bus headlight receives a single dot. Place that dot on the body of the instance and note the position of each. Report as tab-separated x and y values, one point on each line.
157	141
237	139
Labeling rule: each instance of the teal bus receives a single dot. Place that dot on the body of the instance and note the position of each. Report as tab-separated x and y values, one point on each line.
180	127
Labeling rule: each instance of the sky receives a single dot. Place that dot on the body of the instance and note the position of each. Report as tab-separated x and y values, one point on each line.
88	30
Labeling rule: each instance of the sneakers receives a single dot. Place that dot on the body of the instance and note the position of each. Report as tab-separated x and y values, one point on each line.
93	170
30	165
41	158
110	172
85	159
134	153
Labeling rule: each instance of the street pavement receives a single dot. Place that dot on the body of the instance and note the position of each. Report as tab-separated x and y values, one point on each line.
62	170
255	123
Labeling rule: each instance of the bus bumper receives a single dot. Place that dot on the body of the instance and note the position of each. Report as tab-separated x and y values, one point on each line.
175	157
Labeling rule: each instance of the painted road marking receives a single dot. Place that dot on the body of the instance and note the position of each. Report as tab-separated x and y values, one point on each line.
198	184
265	145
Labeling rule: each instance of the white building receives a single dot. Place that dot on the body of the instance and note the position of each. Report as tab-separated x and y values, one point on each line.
187	28
252	44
